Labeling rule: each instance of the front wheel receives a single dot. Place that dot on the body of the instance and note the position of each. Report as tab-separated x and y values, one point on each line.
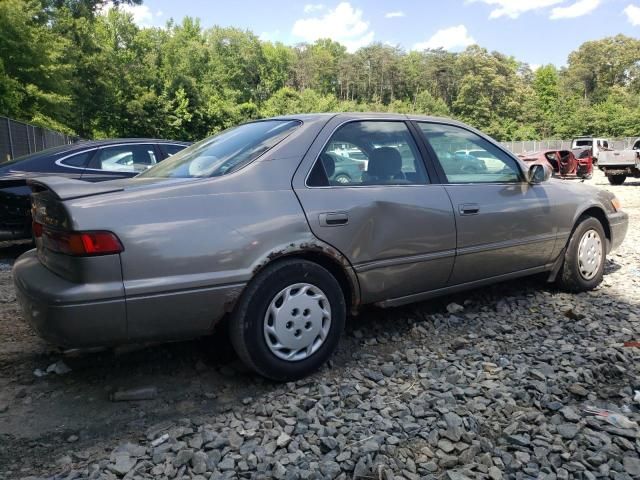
584	257
616	179
289	320
343	179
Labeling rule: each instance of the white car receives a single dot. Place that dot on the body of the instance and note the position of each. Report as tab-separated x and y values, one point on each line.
596	145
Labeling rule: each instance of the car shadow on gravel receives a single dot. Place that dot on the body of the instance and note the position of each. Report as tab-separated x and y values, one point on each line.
54	415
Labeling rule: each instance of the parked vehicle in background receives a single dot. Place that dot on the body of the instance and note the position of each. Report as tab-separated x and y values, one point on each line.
94	161
617	165
564	163
597	145
248	226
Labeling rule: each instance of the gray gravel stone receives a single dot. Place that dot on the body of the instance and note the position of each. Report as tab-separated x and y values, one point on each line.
632	466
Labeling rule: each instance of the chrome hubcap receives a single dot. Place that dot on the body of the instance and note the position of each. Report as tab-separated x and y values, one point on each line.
297	322
589	254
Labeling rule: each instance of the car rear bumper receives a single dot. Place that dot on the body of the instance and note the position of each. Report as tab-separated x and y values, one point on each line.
69	315
618	224
49	303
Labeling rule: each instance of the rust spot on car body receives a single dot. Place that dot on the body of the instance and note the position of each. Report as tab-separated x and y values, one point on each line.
315	247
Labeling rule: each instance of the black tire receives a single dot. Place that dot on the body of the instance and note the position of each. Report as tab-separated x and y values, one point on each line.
247	323
570	278
616	179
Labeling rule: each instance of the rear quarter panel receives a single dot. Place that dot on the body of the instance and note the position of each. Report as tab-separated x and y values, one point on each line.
190	246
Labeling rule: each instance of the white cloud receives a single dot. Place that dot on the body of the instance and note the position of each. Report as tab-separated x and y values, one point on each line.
577	9
159	13
142	14
270	36
515	8
343	24
313	7
447	38
395	14
633	14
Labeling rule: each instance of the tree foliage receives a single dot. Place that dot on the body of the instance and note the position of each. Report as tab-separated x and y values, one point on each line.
76	66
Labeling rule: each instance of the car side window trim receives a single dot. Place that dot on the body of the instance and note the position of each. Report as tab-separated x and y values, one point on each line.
429	158
412	135
436	161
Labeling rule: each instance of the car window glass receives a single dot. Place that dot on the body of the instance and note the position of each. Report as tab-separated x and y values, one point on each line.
79	160
225	152
583	143
125	158
172	149
466	157
369	153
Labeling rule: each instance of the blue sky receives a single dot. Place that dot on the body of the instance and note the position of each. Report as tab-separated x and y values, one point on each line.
534	31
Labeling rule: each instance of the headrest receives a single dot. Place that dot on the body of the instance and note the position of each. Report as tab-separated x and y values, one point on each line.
384	162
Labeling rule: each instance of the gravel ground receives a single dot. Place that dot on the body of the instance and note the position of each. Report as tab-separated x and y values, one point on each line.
496	390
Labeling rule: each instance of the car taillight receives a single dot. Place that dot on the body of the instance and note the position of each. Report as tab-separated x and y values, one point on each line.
78	244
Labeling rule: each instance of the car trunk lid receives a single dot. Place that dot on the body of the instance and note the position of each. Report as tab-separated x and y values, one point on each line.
67	189
64	247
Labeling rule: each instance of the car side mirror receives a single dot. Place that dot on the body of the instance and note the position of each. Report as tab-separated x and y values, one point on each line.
539	173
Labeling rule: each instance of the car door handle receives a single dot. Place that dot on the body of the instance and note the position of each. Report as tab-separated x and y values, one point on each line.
333	219
469	209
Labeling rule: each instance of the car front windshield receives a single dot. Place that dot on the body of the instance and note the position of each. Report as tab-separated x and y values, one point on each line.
226	152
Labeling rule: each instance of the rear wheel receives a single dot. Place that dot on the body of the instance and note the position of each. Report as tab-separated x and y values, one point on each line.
616	179
289	320
584	257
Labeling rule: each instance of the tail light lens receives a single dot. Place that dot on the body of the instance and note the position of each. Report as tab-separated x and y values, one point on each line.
78	244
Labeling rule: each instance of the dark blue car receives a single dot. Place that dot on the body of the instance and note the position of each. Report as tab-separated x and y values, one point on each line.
92	161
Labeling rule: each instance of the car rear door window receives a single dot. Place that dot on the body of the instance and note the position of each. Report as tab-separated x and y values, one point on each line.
466	157
365	153
125	158
79	160
170	149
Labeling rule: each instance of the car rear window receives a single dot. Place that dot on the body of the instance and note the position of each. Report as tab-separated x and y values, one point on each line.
226	152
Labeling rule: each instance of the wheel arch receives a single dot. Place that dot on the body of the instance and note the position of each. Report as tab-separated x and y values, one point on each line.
593	211
599	214
327	257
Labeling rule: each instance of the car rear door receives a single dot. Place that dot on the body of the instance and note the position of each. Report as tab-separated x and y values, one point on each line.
504	223
395	227
121	161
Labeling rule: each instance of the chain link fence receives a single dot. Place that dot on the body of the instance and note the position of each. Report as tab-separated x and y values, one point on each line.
537	145
18	139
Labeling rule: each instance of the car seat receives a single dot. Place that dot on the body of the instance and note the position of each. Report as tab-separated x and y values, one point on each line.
385	167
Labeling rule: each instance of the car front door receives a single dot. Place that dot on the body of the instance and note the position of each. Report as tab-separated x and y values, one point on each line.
504	223
120	161
394	226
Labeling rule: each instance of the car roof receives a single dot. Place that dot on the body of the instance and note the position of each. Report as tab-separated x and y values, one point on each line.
118	141
364	116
